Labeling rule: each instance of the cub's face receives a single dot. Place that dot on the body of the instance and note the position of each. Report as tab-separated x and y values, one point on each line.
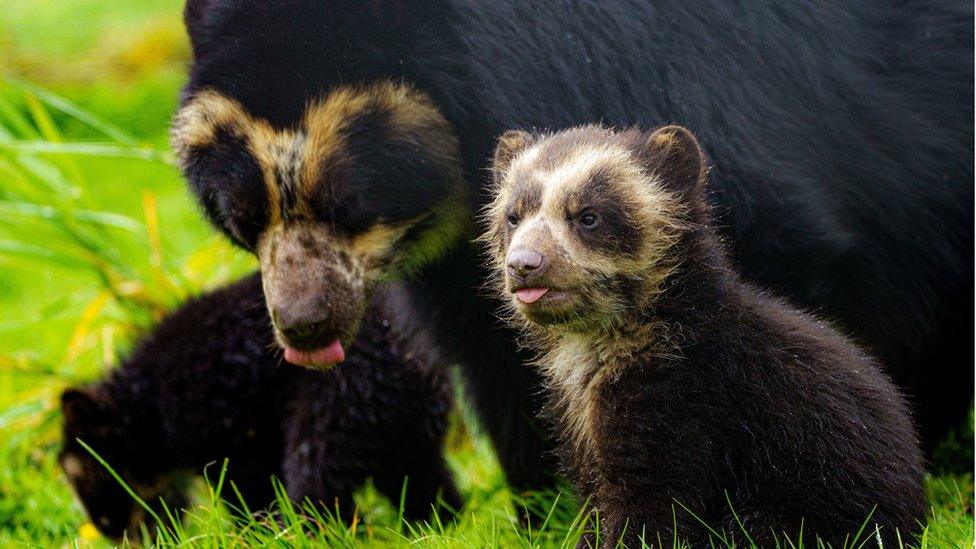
109	507
583	221
89	416
365	185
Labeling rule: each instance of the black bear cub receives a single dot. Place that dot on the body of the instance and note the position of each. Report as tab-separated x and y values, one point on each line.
681	393
188	397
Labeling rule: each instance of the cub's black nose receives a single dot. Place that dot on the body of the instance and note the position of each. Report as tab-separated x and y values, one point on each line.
522	263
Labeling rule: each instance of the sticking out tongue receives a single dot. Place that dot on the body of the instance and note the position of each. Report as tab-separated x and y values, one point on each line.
530	295
326	356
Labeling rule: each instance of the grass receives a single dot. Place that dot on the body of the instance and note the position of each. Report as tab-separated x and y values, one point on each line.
98	239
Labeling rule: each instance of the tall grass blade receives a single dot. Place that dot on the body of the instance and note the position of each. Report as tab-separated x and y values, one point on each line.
80	148
51	213
71	109
121	482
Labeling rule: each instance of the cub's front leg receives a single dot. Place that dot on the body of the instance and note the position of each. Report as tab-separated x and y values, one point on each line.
627	525
653	459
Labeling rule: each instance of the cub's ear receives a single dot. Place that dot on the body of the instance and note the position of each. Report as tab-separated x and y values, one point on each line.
673	155
510	144
85	406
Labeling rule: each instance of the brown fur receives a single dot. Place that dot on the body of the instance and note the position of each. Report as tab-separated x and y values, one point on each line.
672	384
555	173
302	152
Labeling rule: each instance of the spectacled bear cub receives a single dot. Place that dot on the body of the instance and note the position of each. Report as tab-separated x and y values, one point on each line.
173	409
348	142
674	382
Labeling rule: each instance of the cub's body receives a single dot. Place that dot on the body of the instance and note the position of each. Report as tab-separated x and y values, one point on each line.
207	384
763	406
679	392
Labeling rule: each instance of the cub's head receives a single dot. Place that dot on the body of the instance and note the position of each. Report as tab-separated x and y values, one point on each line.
335	176
91	416
584	222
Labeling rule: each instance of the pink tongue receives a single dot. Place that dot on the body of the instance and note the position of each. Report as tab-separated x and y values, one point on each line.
326	356
530	295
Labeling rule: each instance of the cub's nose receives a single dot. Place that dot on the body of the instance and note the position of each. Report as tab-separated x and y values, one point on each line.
522	263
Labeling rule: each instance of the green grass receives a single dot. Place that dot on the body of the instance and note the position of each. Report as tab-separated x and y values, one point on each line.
98	238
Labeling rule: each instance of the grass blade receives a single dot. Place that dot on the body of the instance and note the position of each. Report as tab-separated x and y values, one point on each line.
57	102
121	482
79	148
109	219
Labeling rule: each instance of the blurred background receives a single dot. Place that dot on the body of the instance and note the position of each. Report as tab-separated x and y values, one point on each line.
98	238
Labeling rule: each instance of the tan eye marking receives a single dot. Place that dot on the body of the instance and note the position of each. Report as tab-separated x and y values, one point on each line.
292	159
72	466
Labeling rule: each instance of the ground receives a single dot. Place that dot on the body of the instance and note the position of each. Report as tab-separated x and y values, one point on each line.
98	237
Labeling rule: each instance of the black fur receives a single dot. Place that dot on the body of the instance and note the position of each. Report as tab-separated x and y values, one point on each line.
207	384
841	134
242	206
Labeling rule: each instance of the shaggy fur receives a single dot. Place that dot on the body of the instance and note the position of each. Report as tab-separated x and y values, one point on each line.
302	198
678	389
207	385
841	134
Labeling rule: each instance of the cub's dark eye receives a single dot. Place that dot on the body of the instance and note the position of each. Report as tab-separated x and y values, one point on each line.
512	220
589	220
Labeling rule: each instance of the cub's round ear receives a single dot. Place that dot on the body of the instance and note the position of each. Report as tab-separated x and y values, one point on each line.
84	405
673	155
510	144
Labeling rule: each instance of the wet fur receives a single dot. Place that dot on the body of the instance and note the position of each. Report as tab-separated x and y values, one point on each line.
841	136
208	384
755	408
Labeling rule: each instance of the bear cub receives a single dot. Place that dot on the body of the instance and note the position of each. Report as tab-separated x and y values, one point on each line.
209	384
680	392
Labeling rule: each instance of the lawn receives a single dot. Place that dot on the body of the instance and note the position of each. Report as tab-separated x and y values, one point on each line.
99	237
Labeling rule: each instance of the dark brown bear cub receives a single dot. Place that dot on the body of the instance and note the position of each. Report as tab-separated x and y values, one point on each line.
208	384
681	393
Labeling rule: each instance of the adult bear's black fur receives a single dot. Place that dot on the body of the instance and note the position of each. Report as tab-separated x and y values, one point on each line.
841	134
207	385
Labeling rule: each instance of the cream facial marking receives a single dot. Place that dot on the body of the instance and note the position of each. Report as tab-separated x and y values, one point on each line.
561	182
278	153
72	466
587	280
292	159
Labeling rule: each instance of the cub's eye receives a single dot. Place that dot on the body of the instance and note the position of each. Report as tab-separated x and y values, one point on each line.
512	220
589	220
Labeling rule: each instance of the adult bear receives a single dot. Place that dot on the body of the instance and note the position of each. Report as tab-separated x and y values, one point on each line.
346	143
